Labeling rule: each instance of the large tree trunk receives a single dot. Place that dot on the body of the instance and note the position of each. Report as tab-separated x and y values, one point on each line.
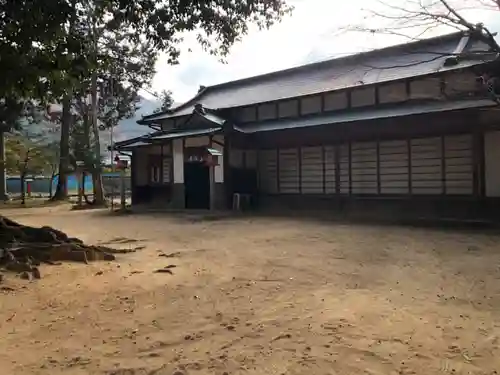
23	187
62	182
97	170
3	170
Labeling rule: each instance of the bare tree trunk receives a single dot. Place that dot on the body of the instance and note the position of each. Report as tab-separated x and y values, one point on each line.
97	170
62	182
3	171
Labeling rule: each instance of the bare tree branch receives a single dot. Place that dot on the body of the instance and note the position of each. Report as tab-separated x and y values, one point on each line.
415	19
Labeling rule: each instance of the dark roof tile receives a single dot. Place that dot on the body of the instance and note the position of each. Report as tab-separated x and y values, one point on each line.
403	61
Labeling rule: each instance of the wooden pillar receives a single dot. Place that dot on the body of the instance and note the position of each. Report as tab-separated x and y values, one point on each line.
122	188
226	170
443	165
479	186
133	175
337	169
211	172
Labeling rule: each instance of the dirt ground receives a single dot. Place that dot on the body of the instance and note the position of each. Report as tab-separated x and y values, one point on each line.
256	296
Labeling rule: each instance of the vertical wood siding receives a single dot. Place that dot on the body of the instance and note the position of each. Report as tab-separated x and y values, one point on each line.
312	175
421	166
288	170
166	166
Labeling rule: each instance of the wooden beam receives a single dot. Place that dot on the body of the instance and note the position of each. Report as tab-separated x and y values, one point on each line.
217	142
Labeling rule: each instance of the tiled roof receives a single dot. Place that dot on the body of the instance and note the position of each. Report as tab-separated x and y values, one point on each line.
403	61
199	113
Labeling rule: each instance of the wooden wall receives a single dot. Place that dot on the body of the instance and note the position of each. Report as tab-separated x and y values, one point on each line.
153	165
438	165
492	163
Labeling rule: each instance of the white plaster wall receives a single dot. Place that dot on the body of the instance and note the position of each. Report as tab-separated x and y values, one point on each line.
492	163
178	156
219	169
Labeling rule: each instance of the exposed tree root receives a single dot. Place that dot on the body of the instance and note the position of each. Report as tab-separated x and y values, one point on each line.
23	248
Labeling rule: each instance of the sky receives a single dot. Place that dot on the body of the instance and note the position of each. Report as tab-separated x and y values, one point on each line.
310	34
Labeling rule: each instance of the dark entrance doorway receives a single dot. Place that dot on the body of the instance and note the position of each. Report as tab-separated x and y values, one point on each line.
197	185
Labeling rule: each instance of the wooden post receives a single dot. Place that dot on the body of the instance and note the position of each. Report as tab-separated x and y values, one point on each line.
122	188
80	177
211	169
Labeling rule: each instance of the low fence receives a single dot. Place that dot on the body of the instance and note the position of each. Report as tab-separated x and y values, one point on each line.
41	185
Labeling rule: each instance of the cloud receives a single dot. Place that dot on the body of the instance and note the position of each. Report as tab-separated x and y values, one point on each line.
310	34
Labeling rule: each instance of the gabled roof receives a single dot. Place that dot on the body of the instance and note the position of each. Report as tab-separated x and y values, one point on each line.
200	116
418	58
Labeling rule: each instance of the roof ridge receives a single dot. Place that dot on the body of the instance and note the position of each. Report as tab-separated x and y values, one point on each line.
340	59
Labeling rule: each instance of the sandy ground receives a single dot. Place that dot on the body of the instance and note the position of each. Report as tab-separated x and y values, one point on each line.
257	296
